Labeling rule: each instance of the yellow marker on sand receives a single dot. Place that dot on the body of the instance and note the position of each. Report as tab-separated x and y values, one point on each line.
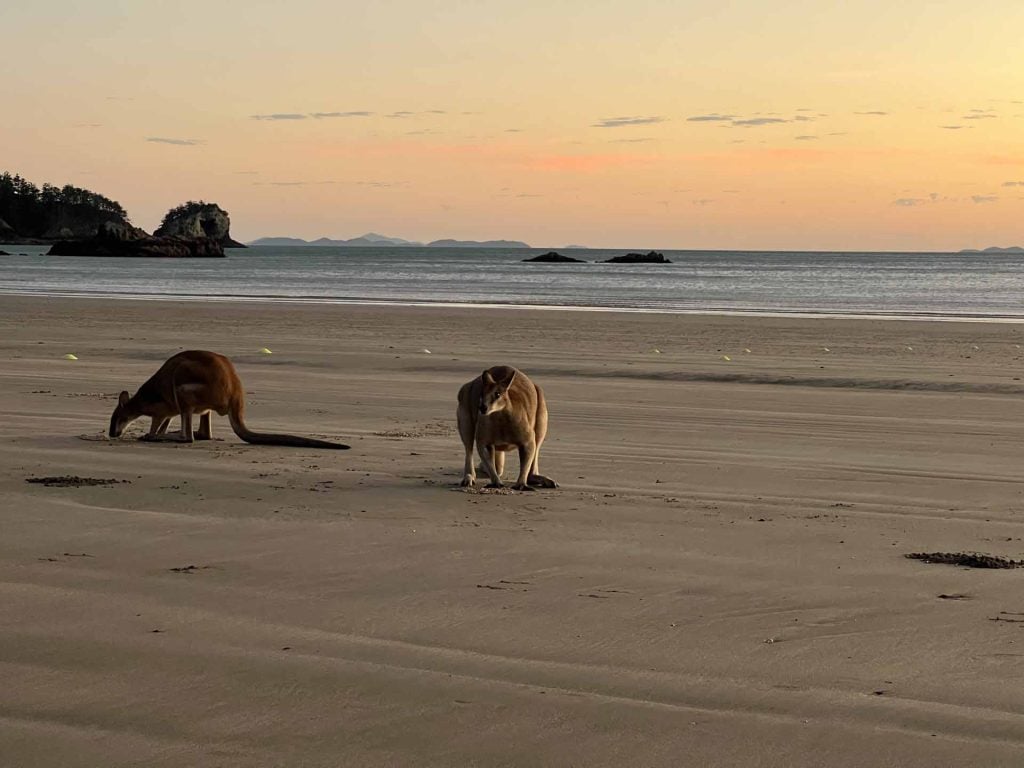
69	356
727	358
265	351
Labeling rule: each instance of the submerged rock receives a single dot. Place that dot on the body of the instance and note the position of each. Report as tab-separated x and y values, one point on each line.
639	258
198	219
551	257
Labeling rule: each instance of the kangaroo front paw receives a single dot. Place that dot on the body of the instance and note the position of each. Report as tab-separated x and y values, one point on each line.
468	482
540	481
523	487
496	485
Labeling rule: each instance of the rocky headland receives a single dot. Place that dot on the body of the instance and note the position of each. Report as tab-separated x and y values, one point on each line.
127	242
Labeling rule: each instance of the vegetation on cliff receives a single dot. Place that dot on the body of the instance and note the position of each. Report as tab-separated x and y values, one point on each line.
28	212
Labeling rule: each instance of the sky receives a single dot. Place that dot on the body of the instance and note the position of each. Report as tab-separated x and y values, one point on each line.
708	124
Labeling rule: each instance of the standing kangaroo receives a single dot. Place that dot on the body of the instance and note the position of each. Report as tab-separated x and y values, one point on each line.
502	410
201	383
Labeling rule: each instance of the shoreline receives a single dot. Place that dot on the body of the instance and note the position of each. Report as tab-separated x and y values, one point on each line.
803	314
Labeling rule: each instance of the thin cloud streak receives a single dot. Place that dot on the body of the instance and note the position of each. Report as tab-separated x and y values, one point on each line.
175	142
622	122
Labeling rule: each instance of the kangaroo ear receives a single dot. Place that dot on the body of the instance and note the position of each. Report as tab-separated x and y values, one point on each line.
508	381
488	379
123	398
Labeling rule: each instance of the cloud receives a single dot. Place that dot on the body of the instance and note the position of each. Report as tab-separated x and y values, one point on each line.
246	173
979	199
806	138
88	125
875	112
528	195
620	122
804	119
401	114
703	201
954	127
280	116
712	118
909	202
381	184
175	142
977	114
513	130
322	115
751	122
1013	183
642	140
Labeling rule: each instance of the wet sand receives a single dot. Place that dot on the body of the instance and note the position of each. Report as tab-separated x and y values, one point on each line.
720	580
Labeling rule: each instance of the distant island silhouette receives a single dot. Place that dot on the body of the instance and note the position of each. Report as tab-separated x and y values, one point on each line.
372	239
995	249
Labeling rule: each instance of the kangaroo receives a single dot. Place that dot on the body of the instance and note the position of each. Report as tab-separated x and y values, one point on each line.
201	383
502	410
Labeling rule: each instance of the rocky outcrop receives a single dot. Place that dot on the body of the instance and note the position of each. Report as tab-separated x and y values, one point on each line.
4	253
551	257
638	258
130	242
198	219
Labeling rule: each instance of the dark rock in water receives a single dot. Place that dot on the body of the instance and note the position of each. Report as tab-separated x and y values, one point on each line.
639	258
198	219
126	241
551	257
4	253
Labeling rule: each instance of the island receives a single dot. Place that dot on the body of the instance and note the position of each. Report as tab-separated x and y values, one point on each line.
374	240
994	249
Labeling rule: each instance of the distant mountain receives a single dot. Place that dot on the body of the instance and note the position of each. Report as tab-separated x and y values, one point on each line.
368	240
477	244
583	247
1011	249
371	239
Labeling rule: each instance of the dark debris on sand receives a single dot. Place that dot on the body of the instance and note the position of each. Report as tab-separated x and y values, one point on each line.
72	481
966	559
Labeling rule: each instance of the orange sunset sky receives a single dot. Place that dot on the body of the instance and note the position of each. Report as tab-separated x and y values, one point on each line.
706	124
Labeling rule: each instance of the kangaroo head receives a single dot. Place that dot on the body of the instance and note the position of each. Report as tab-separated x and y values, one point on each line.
124	414
494	396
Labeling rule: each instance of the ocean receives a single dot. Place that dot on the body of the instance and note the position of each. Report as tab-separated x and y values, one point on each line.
915	285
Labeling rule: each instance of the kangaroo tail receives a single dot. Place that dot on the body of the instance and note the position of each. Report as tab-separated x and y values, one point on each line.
265	438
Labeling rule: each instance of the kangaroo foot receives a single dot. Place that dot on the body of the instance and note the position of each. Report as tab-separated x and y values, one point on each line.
496	485
523	487
468	482
540	481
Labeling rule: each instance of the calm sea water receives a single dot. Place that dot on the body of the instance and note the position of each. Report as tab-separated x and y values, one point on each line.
901	284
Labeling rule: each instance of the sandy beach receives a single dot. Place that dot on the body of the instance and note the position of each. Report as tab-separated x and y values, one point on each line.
720	580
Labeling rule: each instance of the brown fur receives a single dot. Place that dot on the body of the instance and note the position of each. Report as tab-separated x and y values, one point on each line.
502	410
196	383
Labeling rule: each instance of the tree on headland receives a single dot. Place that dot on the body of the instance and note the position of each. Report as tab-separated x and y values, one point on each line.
31	210
184	210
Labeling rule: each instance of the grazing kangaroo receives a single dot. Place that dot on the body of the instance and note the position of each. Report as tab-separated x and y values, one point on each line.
201	383
502	410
